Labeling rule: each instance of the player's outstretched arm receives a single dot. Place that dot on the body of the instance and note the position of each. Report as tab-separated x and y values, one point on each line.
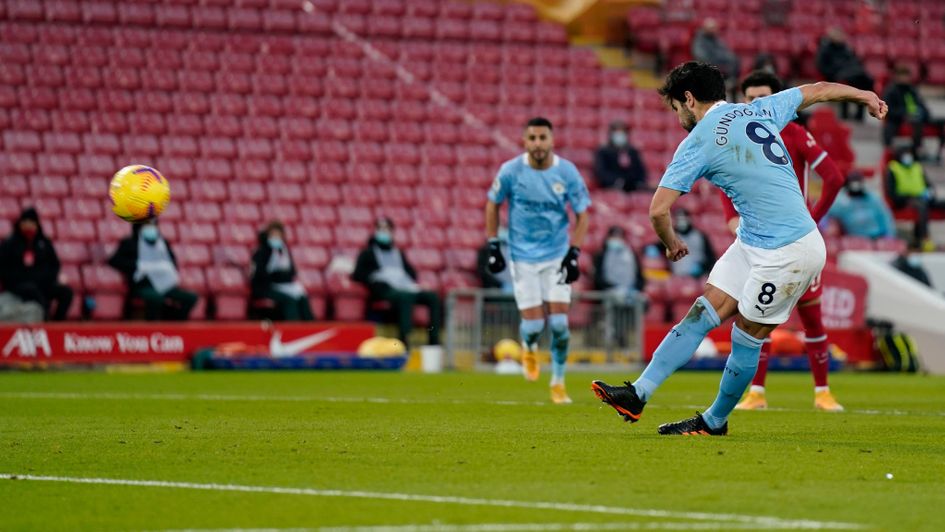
660	206
825	91
492	219
581	224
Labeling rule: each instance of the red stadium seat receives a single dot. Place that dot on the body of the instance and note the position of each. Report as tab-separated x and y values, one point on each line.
192	255
76	209
310	257
244	234
198	233
226	280
102	278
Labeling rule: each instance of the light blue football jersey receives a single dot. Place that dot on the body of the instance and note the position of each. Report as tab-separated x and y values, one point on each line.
738	148
538	199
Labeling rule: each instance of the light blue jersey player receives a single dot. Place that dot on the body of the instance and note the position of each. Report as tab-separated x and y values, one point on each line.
538	186
778	251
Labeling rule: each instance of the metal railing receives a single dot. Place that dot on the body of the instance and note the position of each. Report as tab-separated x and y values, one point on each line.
606	330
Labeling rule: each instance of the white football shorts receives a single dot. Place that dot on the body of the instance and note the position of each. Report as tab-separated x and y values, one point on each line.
535	283
769	282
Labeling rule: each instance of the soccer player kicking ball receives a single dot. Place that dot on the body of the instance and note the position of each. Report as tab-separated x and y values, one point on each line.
806	155
539	185
777	254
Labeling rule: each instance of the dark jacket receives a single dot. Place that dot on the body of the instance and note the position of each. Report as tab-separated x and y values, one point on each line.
837	62
45	269
125	259
608	171
367	265
601	284
895	98
261	280
916	272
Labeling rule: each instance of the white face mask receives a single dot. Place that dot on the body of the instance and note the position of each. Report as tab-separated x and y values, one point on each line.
618	138
907	159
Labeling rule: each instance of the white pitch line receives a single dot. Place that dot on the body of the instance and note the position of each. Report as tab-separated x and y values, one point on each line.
504	527
123	396
762	521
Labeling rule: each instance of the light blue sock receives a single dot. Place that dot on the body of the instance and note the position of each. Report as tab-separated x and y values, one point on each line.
739	370
560	336
531	331
677	347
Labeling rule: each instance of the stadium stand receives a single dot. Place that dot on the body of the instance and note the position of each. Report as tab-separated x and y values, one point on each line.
323	118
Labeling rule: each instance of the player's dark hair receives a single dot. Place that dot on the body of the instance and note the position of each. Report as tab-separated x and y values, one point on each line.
539	121
703	80
762	78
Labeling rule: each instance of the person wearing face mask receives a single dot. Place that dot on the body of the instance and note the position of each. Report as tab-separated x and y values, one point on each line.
618	164
616	267
906	106
618	272
503	279
838	62
861	212
272	276
701	255
709	48
907	185
29	267
150	269
389	276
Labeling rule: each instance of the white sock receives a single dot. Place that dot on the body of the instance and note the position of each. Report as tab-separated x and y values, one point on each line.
556	380
757	389
818	389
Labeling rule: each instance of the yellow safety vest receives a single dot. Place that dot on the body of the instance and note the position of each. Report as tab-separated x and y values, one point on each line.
909	179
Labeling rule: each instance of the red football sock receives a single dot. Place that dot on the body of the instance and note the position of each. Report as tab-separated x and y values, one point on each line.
816	341
762	372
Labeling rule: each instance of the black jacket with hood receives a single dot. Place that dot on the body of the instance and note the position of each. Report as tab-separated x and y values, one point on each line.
125	259
260	279
45	269
367	264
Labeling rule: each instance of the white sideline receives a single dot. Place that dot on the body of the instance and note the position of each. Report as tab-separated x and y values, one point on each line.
123	396
505	527
757	521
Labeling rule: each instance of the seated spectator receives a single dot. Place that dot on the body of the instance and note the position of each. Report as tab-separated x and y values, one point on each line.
618	164
272	276
618	271
708	48
837	62
150	269
388	276
861	212
906	106
503	279
701	255
616	267
910	263
765	62
907	185
29	267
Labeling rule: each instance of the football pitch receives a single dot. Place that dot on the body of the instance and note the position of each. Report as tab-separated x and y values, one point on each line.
458	452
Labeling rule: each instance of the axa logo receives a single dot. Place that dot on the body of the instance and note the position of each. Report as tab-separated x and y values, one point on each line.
28	343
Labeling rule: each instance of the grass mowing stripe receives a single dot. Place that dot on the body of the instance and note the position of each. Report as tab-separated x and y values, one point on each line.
764	521
383	400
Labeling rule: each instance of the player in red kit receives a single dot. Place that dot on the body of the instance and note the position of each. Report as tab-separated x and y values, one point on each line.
806	155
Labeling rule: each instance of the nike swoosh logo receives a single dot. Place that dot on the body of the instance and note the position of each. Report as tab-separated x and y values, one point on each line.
277	349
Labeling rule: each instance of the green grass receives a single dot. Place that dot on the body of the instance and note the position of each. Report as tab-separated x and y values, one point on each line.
452	435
